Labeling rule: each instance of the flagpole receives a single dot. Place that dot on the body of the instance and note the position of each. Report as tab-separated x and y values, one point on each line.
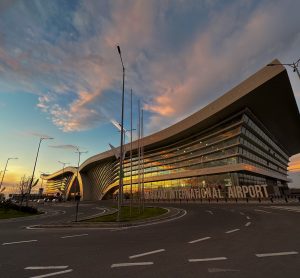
131	152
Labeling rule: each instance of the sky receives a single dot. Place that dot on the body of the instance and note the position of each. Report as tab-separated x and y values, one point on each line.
61	75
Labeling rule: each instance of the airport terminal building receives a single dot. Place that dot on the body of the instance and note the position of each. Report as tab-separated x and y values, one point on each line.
237	146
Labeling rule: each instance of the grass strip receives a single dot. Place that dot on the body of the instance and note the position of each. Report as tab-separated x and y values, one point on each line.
136	214
11	213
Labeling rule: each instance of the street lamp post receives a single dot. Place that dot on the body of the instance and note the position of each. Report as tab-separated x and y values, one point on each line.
63	164
77	194
5	169
41	186
36	158
120	197
293	65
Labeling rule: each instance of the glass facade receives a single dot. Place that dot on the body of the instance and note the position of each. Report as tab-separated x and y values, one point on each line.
59	184
201	159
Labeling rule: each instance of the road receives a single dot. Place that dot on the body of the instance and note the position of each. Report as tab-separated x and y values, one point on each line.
209	241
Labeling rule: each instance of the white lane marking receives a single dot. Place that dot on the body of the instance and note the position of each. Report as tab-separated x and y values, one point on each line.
17	242
263	211
248	217
248	224
147	253
53	273
74	236
287	208
276	254
200	239
232	231
241	213
207	259
209	211
33	228
131	264
47	267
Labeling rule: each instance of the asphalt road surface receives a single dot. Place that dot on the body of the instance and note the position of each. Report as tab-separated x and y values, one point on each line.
209	241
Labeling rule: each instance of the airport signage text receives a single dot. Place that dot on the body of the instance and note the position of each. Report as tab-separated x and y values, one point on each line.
238	192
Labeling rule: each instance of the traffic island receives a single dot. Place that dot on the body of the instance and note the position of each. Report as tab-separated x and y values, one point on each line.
151	216
10	210
127	215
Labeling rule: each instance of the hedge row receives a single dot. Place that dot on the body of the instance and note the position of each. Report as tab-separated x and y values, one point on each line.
9	205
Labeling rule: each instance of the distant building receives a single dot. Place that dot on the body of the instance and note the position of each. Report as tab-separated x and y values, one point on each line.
243	138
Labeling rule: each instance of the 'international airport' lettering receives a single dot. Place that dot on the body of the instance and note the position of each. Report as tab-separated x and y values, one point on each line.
251	191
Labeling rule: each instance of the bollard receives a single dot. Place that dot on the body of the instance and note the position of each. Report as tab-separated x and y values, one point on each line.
271	199
247	199
236	200
286	200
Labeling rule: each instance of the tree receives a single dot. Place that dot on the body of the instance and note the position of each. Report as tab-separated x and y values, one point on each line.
24	188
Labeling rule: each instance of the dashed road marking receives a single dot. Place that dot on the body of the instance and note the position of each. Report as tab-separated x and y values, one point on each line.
241	213
287	208
130	264
74	236
17	242
147	253
53	273
276	254
46	267
232	231
200	239
207	259
248	217
209	211
248	224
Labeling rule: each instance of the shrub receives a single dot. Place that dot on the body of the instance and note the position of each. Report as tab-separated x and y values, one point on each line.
6	205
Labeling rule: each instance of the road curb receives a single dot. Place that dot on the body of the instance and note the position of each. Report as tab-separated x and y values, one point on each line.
171	214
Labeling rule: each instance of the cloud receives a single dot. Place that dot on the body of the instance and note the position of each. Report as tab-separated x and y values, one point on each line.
178	57
294	165
220	57
65	147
